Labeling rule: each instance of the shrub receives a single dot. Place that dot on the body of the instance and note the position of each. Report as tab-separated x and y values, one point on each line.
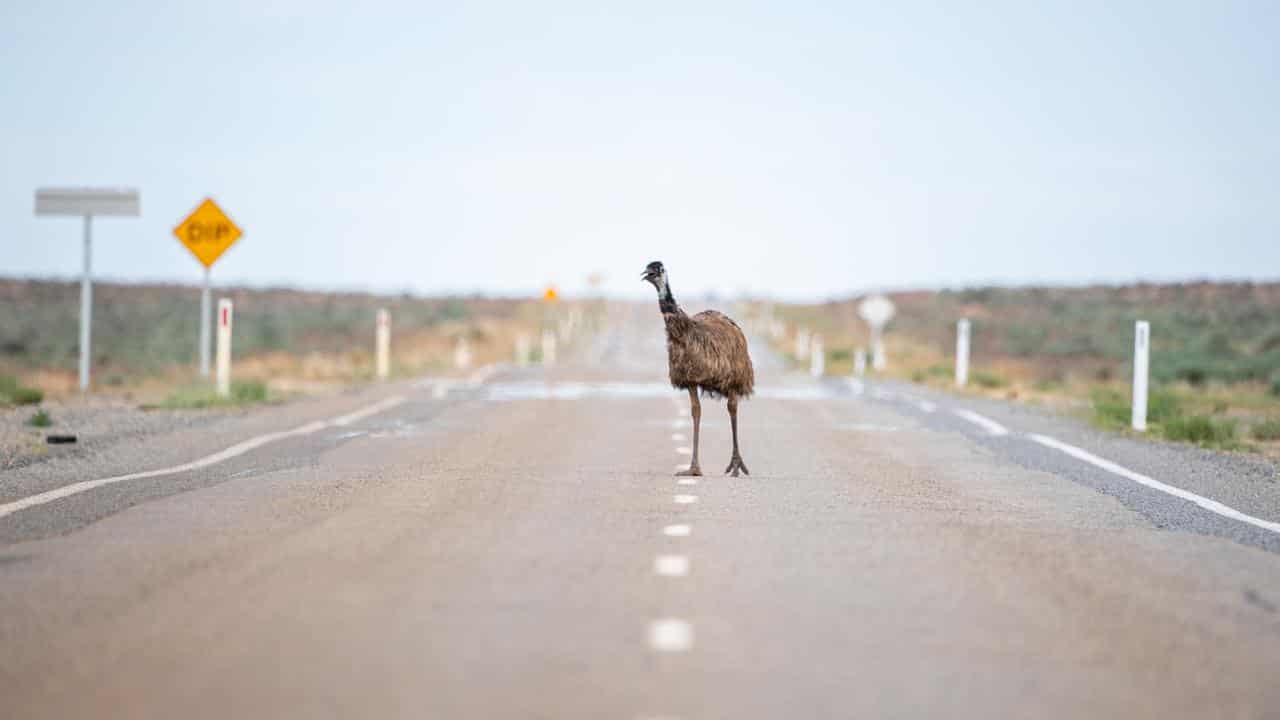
8	384
1047	385
40	419
1275	385
27	396
988	380
1163	406
199	397
1110	408
940	371
1267	430
248	392
1193	375
1201	430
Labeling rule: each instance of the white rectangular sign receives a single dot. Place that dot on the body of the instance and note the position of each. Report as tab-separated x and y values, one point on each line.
87	201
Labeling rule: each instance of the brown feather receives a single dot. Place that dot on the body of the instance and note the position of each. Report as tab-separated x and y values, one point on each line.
708	351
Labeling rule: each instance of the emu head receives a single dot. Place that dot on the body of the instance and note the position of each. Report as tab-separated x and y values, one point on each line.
655	274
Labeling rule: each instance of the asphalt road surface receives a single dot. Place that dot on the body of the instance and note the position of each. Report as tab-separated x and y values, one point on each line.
514	545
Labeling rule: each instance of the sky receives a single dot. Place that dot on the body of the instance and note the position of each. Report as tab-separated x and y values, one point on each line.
799	150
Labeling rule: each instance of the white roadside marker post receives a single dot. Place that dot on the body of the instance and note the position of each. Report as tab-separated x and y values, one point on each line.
522	349
802	344
224	347
962	353
859	362
548	348
817	357
462	354
382	344
87	203
1141	365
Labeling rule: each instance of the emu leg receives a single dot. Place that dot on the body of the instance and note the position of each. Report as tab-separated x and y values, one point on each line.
695	408
735	464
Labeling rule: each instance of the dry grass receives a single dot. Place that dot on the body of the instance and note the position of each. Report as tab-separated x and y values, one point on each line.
292	341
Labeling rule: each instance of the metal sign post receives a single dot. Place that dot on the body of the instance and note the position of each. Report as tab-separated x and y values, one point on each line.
877	311
86	203
204	326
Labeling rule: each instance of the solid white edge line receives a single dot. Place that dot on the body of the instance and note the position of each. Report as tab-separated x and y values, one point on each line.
991	426
374	409
679	530
686	499
236	450
1211	505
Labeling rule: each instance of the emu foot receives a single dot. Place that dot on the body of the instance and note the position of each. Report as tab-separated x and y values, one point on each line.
735	465
693	471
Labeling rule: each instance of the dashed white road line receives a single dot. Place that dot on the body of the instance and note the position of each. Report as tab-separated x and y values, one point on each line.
1211	505
926	406
670	635
686	499
678	437
671	565
684	450
441	387
680	530
236	450
687	480
991	426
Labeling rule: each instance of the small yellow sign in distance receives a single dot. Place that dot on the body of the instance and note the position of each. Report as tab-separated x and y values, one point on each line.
207	232
550	295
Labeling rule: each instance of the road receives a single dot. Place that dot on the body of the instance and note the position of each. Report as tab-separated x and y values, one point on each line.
515	546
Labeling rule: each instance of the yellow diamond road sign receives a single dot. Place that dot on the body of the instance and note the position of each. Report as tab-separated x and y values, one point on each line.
207	232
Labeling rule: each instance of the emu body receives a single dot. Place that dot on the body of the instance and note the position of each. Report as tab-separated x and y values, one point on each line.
707	354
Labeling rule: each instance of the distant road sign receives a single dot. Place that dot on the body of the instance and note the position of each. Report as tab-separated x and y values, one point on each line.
550	295
877	310
87	201
207	232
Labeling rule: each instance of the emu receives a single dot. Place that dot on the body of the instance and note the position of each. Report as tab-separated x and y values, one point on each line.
706	352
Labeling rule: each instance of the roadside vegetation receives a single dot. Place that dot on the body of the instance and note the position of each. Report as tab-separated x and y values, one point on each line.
244	393
1215	352
145	350
13	393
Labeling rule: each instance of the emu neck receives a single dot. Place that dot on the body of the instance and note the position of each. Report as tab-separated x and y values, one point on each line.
667	301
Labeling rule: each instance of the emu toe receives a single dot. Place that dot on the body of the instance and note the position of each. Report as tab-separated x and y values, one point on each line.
693	471
735	465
